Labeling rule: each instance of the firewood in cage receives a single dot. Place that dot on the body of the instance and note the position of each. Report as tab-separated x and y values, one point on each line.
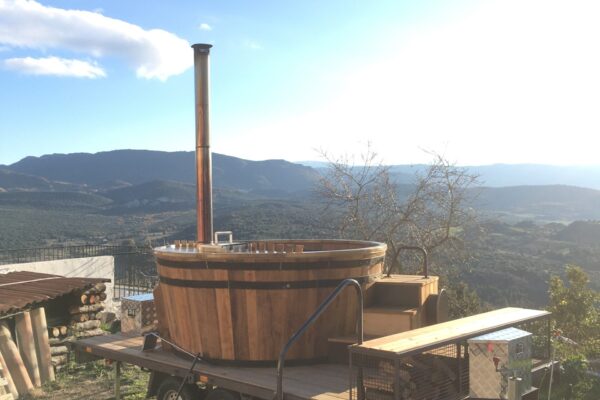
441	365
374	380
54	331
102	296
374	394
92	299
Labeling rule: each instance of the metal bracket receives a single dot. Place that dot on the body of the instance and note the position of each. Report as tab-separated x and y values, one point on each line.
221	233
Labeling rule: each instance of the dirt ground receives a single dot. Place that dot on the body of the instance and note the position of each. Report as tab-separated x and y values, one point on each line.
94	381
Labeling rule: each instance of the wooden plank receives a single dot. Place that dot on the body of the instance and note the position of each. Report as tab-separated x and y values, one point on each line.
223	301
24	331
13	360
451	330
322	382
42	345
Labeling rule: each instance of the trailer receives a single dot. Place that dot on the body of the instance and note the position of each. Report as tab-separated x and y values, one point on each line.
323	381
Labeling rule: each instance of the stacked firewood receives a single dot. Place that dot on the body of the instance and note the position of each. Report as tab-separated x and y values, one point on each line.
85	318
427	377
83	322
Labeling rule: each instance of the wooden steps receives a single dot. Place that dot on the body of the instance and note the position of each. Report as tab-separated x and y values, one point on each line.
384	321
403	290
393	304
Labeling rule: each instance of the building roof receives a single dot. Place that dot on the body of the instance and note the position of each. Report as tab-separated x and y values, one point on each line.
22	290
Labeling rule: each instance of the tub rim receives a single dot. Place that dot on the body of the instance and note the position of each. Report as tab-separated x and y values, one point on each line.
367	249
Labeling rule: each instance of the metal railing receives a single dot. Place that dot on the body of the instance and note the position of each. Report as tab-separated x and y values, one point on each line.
135	269
18	256
312	319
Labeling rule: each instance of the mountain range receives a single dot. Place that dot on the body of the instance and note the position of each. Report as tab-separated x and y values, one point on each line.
159	181
118	168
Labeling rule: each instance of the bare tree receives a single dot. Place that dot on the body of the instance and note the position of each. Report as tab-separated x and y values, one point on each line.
429	212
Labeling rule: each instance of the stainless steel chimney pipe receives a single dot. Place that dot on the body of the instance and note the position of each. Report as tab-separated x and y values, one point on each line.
204	213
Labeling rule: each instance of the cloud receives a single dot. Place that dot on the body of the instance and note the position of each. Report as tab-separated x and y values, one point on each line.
205	27
55	66
253	45
153	53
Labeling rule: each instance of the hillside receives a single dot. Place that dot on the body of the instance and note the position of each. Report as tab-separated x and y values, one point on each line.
585	232
53	200
545	203
16	181
140	166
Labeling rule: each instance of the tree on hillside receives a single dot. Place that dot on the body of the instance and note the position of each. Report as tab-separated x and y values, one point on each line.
575	310
428	213
575	306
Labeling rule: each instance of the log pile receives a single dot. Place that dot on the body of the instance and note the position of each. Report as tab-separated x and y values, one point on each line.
82	321
421	377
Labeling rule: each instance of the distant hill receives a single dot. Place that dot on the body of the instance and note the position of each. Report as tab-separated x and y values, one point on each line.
16	181
584	232
151	197
140	166
500	175
54	200
540	202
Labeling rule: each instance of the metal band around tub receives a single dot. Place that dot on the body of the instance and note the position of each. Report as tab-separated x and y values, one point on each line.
322	283
299	265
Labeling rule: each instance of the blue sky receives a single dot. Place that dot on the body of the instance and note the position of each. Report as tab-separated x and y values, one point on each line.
483	82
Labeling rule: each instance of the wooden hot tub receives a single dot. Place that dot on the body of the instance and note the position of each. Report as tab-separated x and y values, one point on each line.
241	302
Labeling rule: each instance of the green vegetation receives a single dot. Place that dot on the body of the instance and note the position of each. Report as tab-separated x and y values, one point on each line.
576	315
95	380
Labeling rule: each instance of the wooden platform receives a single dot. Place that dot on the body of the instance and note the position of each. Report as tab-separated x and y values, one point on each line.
440	334
322	381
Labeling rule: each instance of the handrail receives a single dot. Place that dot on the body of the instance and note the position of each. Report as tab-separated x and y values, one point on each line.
425	259
322	307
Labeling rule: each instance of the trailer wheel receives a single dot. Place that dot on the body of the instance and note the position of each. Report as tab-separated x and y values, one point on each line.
169	387
222	394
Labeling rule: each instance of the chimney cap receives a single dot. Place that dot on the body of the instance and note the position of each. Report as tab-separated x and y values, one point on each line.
202	47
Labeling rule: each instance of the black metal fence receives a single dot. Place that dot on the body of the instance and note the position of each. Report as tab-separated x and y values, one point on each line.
135	269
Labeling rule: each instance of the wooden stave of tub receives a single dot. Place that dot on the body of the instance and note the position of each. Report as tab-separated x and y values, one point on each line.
242	307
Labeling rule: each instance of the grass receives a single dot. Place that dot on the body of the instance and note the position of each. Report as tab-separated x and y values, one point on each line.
94	380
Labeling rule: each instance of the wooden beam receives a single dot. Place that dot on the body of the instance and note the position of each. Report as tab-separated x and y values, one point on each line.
6	374
42	345
26	344
13	360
